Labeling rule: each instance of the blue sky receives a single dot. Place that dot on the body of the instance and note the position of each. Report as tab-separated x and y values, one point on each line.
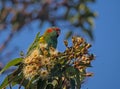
105	47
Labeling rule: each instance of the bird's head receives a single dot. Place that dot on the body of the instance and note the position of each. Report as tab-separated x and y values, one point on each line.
53	32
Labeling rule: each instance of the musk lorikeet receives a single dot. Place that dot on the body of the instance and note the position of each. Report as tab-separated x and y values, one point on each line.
49	37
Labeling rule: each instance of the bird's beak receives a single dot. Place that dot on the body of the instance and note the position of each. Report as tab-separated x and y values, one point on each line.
58	32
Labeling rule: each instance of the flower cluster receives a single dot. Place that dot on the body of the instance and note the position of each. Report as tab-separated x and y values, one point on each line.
54	65
78	56
45	67
39	62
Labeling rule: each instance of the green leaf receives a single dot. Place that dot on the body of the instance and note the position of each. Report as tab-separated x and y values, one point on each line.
72	83
10	78
74	75
31	84
70	71
5	82
15	78
49	86
41	84
68	34
34	44
19	79
77	78
11	63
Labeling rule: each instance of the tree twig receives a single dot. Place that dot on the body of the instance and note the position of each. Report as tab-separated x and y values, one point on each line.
9	84
5	43
21	83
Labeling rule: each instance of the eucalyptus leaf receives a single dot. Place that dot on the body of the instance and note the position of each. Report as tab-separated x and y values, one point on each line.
77	78
72	83
10	78
68	34
11	63
41	84
5	82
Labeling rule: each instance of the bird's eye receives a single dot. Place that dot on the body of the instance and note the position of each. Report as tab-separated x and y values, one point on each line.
57	29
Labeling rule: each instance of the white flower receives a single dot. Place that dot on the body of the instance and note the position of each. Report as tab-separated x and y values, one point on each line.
35	53
30	71
43	45
53	51
27	60
45	61
44	73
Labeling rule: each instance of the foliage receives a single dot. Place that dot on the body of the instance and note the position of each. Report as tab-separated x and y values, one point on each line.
69	14
43	69
68	68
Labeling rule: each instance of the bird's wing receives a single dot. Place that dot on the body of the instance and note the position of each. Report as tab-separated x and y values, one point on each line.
34	44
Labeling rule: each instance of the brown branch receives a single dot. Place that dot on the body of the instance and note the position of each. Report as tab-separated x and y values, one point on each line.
21	83
9	83
5	43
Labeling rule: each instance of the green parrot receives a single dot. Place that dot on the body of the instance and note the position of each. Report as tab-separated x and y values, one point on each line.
49	37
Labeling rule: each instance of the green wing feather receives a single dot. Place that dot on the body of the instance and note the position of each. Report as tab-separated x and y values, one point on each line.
34	44
49	38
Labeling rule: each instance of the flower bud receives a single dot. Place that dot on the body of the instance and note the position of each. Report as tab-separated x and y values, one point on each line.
66	43
88	46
